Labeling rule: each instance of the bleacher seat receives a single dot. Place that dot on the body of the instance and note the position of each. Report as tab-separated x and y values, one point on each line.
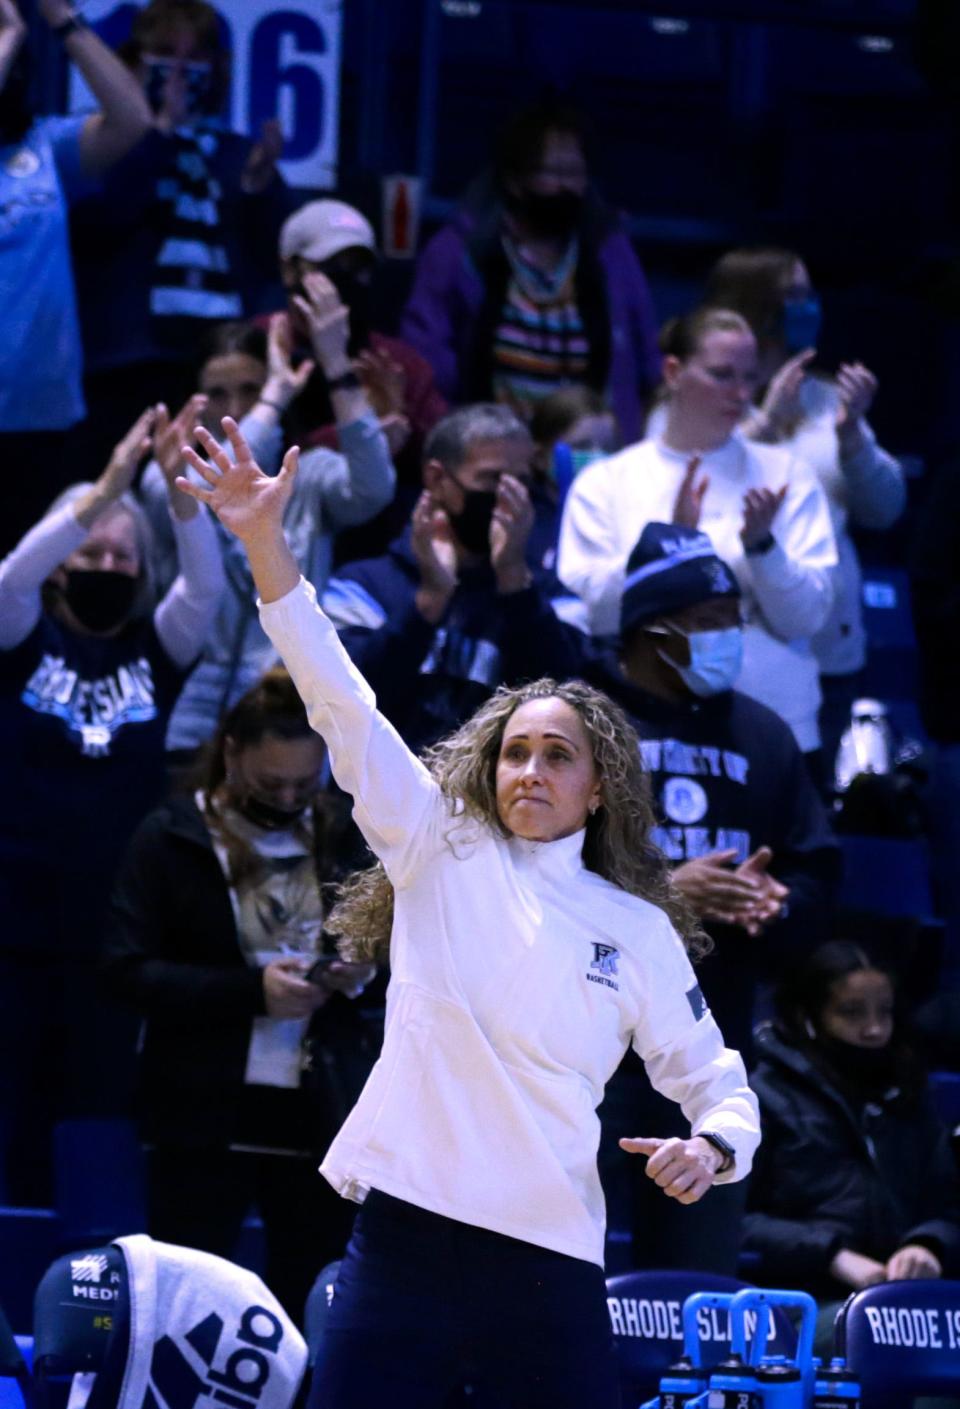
645	1313
16	1383
891	670
901	1340
98	1181
888	875
945	1094
28	1244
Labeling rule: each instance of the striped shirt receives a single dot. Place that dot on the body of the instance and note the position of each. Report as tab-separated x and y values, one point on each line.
539	344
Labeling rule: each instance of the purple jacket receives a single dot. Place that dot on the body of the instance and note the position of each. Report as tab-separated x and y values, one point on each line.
445	312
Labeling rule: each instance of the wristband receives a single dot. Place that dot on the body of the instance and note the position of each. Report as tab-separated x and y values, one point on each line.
347	381
71	25
757	550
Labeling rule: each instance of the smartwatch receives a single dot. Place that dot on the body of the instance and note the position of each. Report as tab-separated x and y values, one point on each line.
724	1146
757	550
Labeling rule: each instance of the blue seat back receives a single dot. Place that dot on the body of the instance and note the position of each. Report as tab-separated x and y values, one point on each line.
902	1339
646	1315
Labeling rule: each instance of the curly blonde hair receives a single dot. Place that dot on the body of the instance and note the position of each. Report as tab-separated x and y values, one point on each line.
617	845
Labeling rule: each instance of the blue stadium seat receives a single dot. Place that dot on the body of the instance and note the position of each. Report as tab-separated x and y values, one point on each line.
28	1244
645	1310
887	875
891	671
98	1181
16	1382
901	1340
945	1094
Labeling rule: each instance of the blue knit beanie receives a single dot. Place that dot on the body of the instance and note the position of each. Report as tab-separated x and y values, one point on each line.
670	568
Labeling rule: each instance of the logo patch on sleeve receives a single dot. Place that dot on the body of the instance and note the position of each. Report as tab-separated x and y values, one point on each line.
698	1004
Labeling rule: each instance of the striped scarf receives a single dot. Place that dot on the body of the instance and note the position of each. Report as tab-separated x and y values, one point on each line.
192	277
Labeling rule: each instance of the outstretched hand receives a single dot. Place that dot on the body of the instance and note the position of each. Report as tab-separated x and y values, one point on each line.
683	1169
245	500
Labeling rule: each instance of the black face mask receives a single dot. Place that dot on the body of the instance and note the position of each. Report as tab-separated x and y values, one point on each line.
265	815
871	1067
99	600
472	524
553	217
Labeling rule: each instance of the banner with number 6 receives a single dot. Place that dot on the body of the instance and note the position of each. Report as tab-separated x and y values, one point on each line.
285	64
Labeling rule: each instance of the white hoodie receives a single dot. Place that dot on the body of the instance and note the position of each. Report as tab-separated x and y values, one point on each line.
518	980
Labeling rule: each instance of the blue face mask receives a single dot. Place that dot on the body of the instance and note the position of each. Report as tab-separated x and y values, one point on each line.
715	660
800	325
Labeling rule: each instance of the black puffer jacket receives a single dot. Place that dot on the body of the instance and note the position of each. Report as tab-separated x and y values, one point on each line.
830	1175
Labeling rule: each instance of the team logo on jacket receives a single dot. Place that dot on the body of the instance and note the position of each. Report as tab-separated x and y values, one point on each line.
603	966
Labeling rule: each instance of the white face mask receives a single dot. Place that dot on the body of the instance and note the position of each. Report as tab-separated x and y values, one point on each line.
715	659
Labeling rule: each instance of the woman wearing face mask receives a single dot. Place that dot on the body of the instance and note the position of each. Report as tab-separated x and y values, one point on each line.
248	375
46	165
90	667
217	920
530	935
824	421
184	234
762	508
855	1182
535	285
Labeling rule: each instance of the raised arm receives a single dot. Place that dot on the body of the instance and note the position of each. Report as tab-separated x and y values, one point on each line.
790	549
24	571
397	805
590	558
124	115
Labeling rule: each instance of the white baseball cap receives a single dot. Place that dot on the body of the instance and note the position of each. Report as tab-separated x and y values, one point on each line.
320	229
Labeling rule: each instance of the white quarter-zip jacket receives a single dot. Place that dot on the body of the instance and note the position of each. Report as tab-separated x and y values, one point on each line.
787	591
518	980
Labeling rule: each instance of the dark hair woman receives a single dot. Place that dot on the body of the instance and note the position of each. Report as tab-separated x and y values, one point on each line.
217	921
535	285
531	938
855	1182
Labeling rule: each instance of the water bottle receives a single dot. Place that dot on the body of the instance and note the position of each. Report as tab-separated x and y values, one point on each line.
733	1385
866	745
781	1384
680	1383
836	1387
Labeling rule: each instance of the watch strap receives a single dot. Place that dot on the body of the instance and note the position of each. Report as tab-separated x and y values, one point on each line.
723	1146
757	550
347	381
71	25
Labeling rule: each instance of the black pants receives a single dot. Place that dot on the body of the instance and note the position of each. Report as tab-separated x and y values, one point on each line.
199	1199
424	1303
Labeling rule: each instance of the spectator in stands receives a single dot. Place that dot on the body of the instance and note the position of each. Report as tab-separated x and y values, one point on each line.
46	163
855	1183
739	819
183	234
935	592
331	238
576	417
535	285
251	377
90	668
823	420
217	920
426	622
762	508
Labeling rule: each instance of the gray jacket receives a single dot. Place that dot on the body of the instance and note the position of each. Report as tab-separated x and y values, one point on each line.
332	491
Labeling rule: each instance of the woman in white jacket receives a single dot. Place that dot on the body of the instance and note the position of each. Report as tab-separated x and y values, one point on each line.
762	507
530	942
823	420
